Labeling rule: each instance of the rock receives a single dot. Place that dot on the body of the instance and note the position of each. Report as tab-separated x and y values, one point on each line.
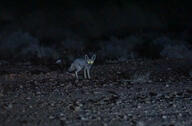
164	117
51	117
61	114
140	123
10	106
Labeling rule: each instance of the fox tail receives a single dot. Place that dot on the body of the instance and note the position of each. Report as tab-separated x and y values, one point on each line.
71	68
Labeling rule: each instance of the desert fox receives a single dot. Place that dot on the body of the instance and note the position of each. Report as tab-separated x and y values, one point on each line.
84	64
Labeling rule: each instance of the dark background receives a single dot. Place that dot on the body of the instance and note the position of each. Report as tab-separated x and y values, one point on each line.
75	27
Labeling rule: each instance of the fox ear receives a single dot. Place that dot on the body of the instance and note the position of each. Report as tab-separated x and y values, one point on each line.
86	57
93	57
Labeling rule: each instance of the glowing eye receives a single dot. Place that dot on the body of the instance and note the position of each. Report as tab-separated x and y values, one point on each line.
90	62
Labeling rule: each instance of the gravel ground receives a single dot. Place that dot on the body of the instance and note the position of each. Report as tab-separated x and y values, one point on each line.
135	93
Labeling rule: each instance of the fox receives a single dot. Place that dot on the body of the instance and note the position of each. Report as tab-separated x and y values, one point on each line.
82	63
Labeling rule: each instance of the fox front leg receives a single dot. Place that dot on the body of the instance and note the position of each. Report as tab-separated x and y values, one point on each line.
85	76
88	74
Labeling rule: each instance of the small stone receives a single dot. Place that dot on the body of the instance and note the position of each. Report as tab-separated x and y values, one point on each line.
51	117
169	68
62	84
61	114
80	104
62	118
28	98
77	108
105	124
140	123
38	93
1	94
180	114
164	117
118	72
125	117
83	118
52	104
23	110
167	85
139	106
146	112
10	106
99	118
129	115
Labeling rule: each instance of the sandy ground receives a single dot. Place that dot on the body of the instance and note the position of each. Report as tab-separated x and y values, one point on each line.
135	93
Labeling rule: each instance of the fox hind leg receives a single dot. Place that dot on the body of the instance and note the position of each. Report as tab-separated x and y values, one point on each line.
76	73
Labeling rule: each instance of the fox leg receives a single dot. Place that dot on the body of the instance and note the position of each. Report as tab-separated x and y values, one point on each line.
88	74
85	76
76	73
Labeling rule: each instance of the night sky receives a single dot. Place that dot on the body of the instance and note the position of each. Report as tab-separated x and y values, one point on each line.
172	14
89	21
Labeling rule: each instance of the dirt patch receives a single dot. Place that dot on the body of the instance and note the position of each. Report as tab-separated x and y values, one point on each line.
37	95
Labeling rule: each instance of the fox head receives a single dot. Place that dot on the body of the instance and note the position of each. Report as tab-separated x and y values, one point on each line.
91	60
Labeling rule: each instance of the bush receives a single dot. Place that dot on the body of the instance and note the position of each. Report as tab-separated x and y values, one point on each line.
47	53
72	44
118	48
170	48
18	44
163	41
176	51
21	45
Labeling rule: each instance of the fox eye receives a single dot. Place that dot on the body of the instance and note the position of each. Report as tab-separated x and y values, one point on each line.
90	62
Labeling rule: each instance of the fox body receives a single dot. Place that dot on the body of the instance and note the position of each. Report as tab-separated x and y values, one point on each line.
84	64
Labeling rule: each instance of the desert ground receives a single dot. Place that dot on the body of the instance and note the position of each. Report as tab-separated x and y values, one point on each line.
132	93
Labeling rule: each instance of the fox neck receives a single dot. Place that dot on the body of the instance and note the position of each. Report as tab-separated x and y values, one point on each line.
89	65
